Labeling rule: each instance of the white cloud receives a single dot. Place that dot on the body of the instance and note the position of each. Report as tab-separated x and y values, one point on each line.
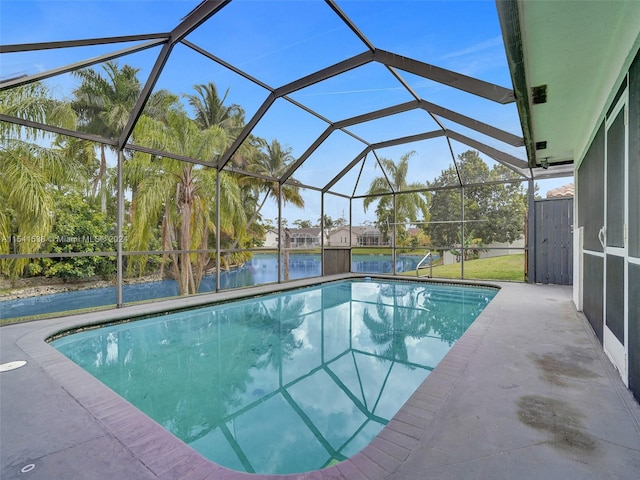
478	47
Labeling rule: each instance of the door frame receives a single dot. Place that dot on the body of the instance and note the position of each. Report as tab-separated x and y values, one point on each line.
617	351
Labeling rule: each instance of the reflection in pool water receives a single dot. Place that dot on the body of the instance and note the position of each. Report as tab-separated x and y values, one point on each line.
283	383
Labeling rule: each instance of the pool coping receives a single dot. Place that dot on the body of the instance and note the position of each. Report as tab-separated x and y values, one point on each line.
168	457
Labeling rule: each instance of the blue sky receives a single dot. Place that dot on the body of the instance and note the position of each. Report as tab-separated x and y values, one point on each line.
279	41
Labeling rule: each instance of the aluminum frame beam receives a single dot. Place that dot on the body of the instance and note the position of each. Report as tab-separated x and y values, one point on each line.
246	131
473	124
18	81
28	47
376	114
58	130
323	136
320	75
159	153
341	125
197	17
346	169
408	139
326	73
404	83
225	64
514	163
437	189
338	194
352	26
384	173
230	169
388	143
509	17
453	79
193	20
429	107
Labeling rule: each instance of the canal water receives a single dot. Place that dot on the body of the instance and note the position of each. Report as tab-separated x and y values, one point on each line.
263	268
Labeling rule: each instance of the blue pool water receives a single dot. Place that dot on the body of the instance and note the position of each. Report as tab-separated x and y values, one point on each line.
263	268
284	383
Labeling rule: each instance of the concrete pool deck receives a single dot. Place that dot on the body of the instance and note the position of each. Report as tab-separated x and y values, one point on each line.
527	392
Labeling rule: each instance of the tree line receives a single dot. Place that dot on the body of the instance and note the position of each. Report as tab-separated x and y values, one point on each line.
58	187
492	205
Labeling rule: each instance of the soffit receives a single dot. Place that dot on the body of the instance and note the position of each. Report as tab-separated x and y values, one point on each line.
577	49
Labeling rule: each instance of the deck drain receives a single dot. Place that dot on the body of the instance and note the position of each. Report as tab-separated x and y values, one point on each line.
5	367
27	468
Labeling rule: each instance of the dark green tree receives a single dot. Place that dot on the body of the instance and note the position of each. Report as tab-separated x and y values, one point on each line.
79	226
493	212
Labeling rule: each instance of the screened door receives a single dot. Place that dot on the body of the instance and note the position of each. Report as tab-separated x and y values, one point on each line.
614	238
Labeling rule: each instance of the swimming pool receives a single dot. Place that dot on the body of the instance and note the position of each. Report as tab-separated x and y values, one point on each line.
288	382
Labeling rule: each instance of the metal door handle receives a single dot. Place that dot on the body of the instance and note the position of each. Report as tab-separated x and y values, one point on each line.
602	235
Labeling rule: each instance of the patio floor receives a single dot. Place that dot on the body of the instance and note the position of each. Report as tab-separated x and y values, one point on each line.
527	392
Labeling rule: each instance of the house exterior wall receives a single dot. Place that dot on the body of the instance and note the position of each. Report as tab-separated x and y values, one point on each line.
304	237
504	248
271	239
611	281
372	237
340	238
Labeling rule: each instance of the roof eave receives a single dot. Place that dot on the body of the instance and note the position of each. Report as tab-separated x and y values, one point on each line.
509	18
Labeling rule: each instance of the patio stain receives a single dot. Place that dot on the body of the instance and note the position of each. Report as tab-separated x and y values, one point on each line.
557	418
557	367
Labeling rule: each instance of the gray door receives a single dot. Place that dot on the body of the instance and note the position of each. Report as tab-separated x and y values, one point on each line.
554	241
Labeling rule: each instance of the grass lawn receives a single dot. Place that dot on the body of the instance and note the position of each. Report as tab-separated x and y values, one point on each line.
506	267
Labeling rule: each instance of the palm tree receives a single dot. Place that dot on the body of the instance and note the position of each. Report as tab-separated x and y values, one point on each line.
211	110
300	223
29	170
180	196
326	223
83	153
271	161
408	205
104	106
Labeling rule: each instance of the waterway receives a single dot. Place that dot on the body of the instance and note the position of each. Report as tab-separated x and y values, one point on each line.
263	268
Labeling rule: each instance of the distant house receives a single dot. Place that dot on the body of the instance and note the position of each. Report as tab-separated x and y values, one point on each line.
305	237
271	238
565	191
372	237
340	237
514	248
357	236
